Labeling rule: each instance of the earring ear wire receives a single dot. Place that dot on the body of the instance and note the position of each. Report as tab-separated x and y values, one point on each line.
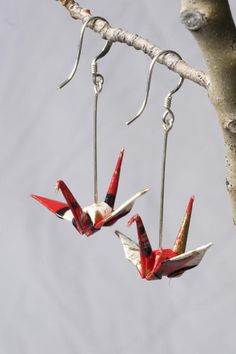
104	51
170	94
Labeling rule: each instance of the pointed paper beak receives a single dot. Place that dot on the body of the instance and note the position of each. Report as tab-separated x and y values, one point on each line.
56	188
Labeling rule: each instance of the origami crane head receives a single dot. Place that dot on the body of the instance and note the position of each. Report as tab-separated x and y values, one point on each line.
90	219
154	264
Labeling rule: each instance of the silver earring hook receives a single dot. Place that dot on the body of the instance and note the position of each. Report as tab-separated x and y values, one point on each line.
170	94
104	51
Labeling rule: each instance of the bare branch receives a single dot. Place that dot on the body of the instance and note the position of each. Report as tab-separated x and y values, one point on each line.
133	40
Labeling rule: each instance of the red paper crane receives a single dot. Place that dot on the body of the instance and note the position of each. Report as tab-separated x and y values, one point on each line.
161	262
90	219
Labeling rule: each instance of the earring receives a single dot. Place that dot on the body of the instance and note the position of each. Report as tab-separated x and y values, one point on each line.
153	264
90	219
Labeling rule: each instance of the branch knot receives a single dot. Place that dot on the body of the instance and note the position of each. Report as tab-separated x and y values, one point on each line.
230	125
193	20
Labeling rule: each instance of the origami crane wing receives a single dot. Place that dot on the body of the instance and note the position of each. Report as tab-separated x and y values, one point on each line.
121	211
58	208
176	266
131	249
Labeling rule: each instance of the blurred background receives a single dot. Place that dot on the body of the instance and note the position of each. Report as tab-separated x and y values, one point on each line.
62	292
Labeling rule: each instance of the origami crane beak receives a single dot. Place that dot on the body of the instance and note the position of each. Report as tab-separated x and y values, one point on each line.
56	188
181	239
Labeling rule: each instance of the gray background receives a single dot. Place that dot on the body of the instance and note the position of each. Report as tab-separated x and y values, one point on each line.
61	292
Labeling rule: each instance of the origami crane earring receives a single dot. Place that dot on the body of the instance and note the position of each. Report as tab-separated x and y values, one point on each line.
90	219
153	264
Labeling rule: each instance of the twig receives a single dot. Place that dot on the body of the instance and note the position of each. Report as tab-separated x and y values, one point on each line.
133	40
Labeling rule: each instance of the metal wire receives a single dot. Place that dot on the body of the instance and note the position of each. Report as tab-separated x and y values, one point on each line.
168	121
95	161
98	81
163	171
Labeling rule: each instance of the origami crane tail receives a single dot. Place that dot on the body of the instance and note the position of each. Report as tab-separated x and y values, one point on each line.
181	239
53	205
131	249
75	208
113	187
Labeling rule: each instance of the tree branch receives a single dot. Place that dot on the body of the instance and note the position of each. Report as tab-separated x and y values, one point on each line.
211	23
137	42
